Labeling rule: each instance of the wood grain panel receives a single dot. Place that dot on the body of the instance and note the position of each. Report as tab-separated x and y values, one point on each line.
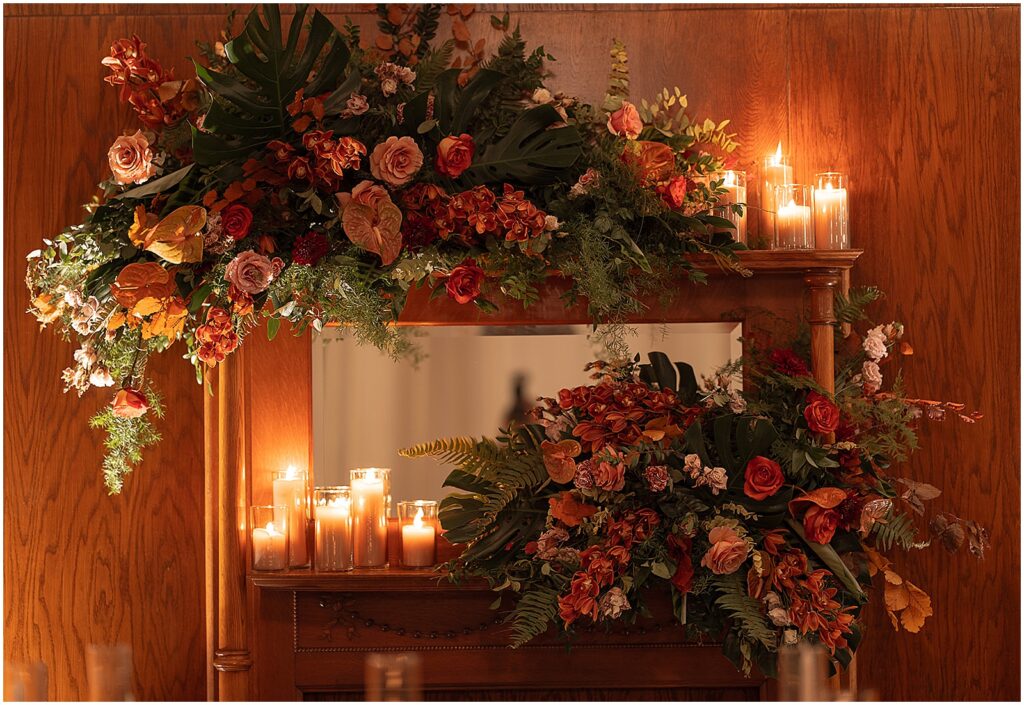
922	108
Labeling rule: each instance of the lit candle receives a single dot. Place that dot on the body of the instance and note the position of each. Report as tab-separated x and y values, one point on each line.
776	173
369	518
418	542
831	214
333	529
290	492
735	185
269	548
794	226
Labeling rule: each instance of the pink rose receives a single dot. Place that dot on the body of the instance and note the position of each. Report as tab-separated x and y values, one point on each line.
727	552
626	122
130	159
365	193
610	476
395	160
251	272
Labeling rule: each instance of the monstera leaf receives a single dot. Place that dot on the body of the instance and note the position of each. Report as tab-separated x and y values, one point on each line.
454	107
252	110
661	371
529	153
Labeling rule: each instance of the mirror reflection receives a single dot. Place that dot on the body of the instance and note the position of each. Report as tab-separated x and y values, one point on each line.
472	380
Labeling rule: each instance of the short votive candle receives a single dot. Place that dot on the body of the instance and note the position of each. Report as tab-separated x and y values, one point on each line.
269	538
290	493
735	185
831	211
793	218
332	508
418	523
775	171
370	489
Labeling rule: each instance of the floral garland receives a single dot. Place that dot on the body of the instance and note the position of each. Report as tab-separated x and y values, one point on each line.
767	514
321	184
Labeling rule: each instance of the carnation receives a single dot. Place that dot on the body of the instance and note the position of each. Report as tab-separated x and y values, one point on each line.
872	376
613	603
874	343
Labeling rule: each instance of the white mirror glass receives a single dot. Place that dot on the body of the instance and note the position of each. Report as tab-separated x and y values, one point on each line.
472	380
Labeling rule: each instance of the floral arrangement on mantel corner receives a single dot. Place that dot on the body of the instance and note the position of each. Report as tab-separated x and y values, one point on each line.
767	515
309	176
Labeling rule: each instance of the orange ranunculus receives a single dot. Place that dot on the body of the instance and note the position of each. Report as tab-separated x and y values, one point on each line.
653	161
130	404
176	238
558	459
568	510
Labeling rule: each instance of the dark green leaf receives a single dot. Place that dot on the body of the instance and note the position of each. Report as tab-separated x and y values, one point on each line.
156	185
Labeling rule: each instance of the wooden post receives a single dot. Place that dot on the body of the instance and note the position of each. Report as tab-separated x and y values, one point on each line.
231	659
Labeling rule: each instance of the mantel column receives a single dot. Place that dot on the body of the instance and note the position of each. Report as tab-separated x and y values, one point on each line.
226	510
821	286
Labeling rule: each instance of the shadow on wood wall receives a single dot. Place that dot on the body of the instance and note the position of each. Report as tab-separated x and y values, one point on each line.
920	105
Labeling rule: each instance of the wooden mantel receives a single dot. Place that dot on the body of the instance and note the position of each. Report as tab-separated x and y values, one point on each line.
295	634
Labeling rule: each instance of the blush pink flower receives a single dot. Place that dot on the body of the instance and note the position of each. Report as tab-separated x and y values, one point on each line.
626	122
251	272
727	552
396	160
365	193
130	158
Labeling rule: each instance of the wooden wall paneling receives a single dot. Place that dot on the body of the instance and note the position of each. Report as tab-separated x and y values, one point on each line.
922	107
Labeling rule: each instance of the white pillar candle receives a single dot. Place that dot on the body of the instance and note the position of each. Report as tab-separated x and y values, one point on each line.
334	535
831	218
794	223
776	173
735	185
290	492
269	548
418	543
369	521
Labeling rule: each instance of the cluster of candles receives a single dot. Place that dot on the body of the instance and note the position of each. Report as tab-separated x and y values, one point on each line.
350	525
794	216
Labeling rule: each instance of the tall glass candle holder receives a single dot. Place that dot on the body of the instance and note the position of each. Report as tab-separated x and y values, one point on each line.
735	185
793	230
332	507
269	537
775	171
370	489
290	492
831	211
418	526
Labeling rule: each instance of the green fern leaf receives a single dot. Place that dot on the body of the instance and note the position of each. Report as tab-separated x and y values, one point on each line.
533	613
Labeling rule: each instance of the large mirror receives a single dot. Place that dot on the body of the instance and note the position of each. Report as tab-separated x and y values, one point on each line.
472	380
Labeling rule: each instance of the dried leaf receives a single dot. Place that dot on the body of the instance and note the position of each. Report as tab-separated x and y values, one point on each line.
385	42
918	493
460	31
905	349
824	497
919	608
897	596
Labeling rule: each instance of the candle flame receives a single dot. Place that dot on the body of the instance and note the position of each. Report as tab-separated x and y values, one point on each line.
291	473
271	530
418	519
777	157
791	204
730	178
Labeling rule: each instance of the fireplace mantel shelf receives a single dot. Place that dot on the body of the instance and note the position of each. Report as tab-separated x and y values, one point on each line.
364	580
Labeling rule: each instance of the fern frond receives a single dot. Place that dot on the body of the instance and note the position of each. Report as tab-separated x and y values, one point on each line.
442	447
744	610
534	611
897	529
433	64
850	309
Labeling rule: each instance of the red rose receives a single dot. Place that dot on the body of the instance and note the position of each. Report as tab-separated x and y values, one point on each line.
820	524
454	155
236	220
464	282
821	414
130	404
788	363
309	248
763	478
674	192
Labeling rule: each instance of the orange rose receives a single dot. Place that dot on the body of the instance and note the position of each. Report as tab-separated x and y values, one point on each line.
821	414
626	122
820	524
130	404
130	159
727	552
396	160
454	155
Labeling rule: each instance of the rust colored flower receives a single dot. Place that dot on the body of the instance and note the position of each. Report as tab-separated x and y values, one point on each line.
236	220
821	414
396	160
558	459
217	337
567	509
176	238
365	193
130	404
820	524
377	228
464	281
762	479
598	565
656	477
581	600
142	280
130	159
300	170
454	155
653	161
347	154
521	219
309	248
609	476
674	192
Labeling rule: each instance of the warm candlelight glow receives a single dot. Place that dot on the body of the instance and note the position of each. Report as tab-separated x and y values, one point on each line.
291	473
776	158
271	530
418	519
290	492
730	179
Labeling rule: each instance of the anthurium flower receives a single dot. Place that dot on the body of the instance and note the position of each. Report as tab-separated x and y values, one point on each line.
176	238
558	459
376	228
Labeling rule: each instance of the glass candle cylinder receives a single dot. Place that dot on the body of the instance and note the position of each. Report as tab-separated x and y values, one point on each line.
269	538
290	493
332	507
370	489
793	229
735	185
775	171
418	523
831	211
25	682
108	672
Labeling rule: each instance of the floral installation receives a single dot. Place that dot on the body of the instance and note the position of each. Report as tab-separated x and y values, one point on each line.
768	514
309	175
